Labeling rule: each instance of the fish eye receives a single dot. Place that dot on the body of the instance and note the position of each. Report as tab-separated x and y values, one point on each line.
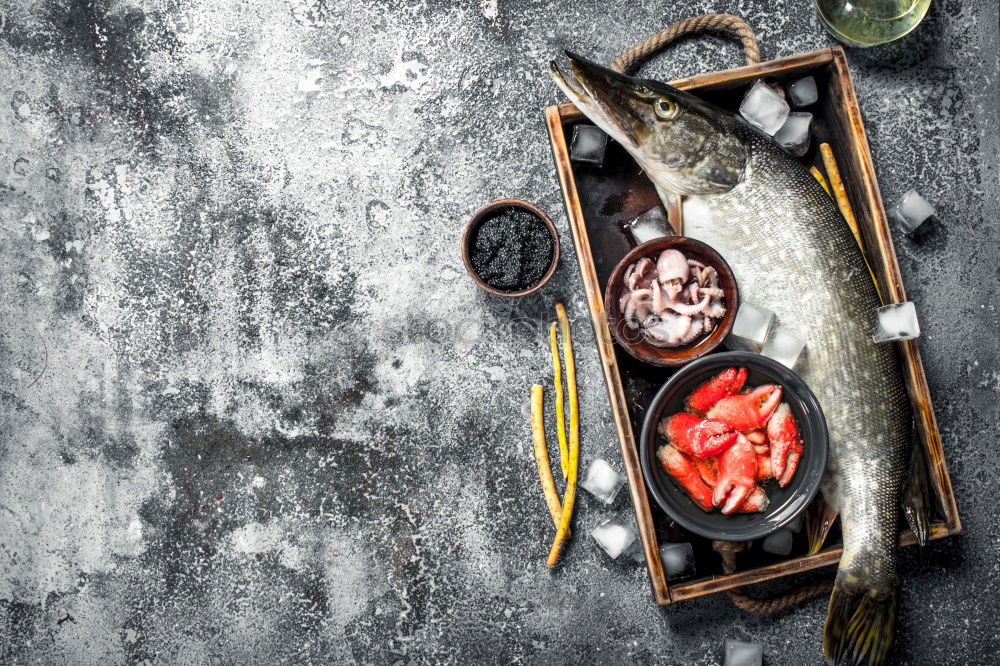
664	108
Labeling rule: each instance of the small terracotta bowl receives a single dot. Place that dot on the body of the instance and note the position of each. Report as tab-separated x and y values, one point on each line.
469	236
633	341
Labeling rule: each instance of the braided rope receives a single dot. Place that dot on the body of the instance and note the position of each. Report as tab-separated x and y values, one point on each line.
751	48
741	600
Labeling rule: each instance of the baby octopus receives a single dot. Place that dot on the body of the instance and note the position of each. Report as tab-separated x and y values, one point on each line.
672	300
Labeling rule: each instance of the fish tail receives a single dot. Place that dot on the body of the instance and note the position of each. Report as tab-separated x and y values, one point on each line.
859	626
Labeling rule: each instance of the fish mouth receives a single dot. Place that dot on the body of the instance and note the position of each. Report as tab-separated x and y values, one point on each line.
607	97
684	144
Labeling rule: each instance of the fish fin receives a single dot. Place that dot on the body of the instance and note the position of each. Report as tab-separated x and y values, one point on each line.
672	203
916	498
820	516
859	627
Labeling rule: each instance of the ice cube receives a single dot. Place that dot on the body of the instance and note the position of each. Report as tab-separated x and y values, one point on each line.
802	92
911	211
764	108
750	328
588	145
794	134
784	346
796	525
651	224
678	560
896	322
778	543
614	536
602	481
741	653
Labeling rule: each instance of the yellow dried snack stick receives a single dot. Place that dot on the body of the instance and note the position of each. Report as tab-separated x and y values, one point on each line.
818	175
840	195
560	407
574	438
542	455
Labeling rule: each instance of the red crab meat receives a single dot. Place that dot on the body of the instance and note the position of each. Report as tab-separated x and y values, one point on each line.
708	469
726	383
684	473
747	411
755	502
737	474
697	437
786	445
764	468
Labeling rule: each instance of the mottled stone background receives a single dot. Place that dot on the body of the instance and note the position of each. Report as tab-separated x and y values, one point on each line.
238	422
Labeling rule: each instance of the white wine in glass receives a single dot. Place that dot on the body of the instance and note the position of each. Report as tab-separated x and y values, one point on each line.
870	22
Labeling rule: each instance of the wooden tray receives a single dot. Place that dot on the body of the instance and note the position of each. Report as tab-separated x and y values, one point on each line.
600	200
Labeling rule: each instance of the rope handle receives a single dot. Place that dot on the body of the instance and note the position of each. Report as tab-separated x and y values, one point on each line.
640	52
728	550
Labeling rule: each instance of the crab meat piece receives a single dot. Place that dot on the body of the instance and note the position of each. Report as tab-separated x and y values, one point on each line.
786	445
672	265
684	473
755	502
696	437
764	467
708	469
747	411
794	456
726	383
737	474
758	438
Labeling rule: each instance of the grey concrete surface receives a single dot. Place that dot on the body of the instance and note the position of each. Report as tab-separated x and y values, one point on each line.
253	411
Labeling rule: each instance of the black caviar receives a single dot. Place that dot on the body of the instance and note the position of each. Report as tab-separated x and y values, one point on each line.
512	249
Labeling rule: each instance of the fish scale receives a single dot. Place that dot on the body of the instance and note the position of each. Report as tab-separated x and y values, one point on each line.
824	293
791	251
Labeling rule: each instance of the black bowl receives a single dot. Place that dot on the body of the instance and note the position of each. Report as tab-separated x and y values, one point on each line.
785	503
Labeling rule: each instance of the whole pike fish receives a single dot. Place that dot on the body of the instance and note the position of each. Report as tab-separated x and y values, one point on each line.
791	251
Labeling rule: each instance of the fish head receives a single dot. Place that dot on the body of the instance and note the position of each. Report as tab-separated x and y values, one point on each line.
685	145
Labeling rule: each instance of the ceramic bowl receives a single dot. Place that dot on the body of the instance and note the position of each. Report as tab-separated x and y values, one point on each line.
633	341
470	234
785	503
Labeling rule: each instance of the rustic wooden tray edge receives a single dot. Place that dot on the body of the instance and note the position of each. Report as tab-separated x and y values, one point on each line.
863	191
